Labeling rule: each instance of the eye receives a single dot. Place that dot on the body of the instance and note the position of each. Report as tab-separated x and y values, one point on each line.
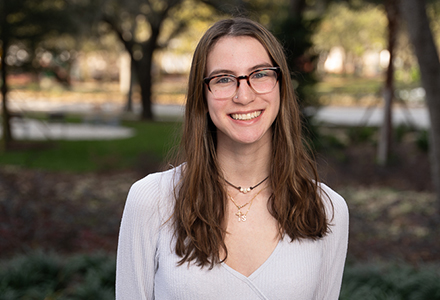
260	74
223	80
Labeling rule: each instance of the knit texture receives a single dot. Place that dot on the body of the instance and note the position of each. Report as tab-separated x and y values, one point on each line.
147	265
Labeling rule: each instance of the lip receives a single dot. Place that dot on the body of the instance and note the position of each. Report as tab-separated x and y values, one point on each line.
246	116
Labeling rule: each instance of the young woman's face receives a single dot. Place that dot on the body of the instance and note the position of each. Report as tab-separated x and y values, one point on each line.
245	117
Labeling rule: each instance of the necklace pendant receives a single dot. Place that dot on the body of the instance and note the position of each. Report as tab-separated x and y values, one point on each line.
245	190
241	216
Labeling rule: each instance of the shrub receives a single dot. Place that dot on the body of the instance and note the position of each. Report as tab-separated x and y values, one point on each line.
361	134
386	282
49	276
422	140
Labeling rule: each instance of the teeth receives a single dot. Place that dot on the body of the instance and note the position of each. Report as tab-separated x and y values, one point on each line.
246	117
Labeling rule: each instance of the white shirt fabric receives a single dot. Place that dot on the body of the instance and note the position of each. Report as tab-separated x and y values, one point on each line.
147	265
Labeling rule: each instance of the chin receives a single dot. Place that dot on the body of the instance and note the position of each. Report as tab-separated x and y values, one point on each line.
249	140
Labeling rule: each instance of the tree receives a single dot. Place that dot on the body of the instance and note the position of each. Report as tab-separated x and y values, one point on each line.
295	31
355	28
5	36
25	24
384	149
391	8
139	24
414	13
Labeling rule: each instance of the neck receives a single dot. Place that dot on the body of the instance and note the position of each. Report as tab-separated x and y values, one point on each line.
245	165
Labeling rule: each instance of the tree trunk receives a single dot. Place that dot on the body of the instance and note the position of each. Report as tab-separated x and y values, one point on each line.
385	141
147	112
414	12
297	7
129	104
144	73
6	125
145	83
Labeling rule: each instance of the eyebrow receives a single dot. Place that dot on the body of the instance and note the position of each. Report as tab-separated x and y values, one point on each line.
226	71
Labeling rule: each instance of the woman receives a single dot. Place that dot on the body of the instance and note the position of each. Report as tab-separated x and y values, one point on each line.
245	216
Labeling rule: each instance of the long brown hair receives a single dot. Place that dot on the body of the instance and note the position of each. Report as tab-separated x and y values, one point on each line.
200	205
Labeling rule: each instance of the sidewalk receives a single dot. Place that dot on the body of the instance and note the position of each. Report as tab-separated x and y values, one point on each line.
416	117
30	129
329	115
102	125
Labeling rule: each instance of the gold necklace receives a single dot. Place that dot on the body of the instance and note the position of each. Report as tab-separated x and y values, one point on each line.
242	216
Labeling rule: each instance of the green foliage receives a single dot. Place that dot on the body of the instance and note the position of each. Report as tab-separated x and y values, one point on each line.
295	34
422	140
311	134
38	34
36	276
361	134
48	276
381	282
401	131
328	142
152	140
355	31
338	85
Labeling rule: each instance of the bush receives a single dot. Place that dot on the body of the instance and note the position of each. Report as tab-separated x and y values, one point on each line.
422	140
361	134
49	276
383	282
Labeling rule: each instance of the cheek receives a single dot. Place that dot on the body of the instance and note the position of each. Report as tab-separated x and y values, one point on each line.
277	103
213	111
211	107
215	107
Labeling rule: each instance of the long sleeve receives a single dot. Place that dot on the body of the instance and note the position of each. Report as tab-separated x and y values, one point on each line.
334	248
138	237
147	266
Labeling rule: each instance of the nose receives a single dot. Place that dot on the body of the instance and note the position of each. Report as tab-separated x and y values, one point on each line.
244	94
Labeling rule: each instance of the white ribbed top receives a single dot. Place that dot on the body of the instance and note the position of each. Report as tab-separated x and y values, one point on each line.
147	266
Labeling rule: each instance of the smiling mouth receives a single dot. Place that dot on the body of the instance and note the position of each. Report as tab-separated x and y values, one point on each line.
246	117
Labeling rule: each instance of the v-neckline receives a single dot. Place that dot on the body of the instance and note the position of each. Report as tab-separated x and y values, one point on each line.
259	269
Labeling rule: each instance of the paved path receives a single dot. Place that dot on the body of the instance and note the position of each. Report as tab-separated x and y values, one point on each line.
329	115
363	116
103	125
29	129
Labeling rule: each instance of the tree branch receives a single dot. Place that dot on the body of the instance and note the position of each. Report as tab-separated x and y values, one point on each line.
127	44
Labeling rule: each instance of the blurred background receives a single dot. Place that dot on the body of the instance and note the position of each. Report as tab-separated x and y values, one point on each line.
92	100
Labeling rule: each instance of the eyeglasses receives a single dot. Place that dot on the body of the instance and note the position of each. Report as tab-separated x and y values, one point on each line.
261	81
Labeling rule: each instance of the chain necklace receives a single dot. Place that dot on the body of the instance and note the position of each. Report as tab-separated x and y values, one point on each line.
242	216
246	190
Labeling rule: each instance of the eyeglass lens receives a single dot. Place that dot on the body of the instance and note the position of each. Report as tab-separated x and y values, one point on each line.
261	81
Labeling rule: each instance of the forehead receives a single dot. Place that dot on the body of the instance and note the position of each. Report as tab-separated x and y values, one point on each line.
237	54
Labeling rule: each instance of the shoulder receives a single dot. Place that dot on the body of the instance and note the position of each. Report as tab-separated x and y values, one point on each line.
153	192
157	182
335	204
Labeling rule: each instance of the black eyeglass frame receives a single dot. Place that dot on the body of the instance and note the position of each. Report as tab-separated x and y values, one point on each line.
207	80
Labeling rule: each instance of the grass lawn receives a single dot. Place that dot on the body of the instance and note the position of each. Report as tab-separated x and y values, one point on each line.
352	90
152	140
